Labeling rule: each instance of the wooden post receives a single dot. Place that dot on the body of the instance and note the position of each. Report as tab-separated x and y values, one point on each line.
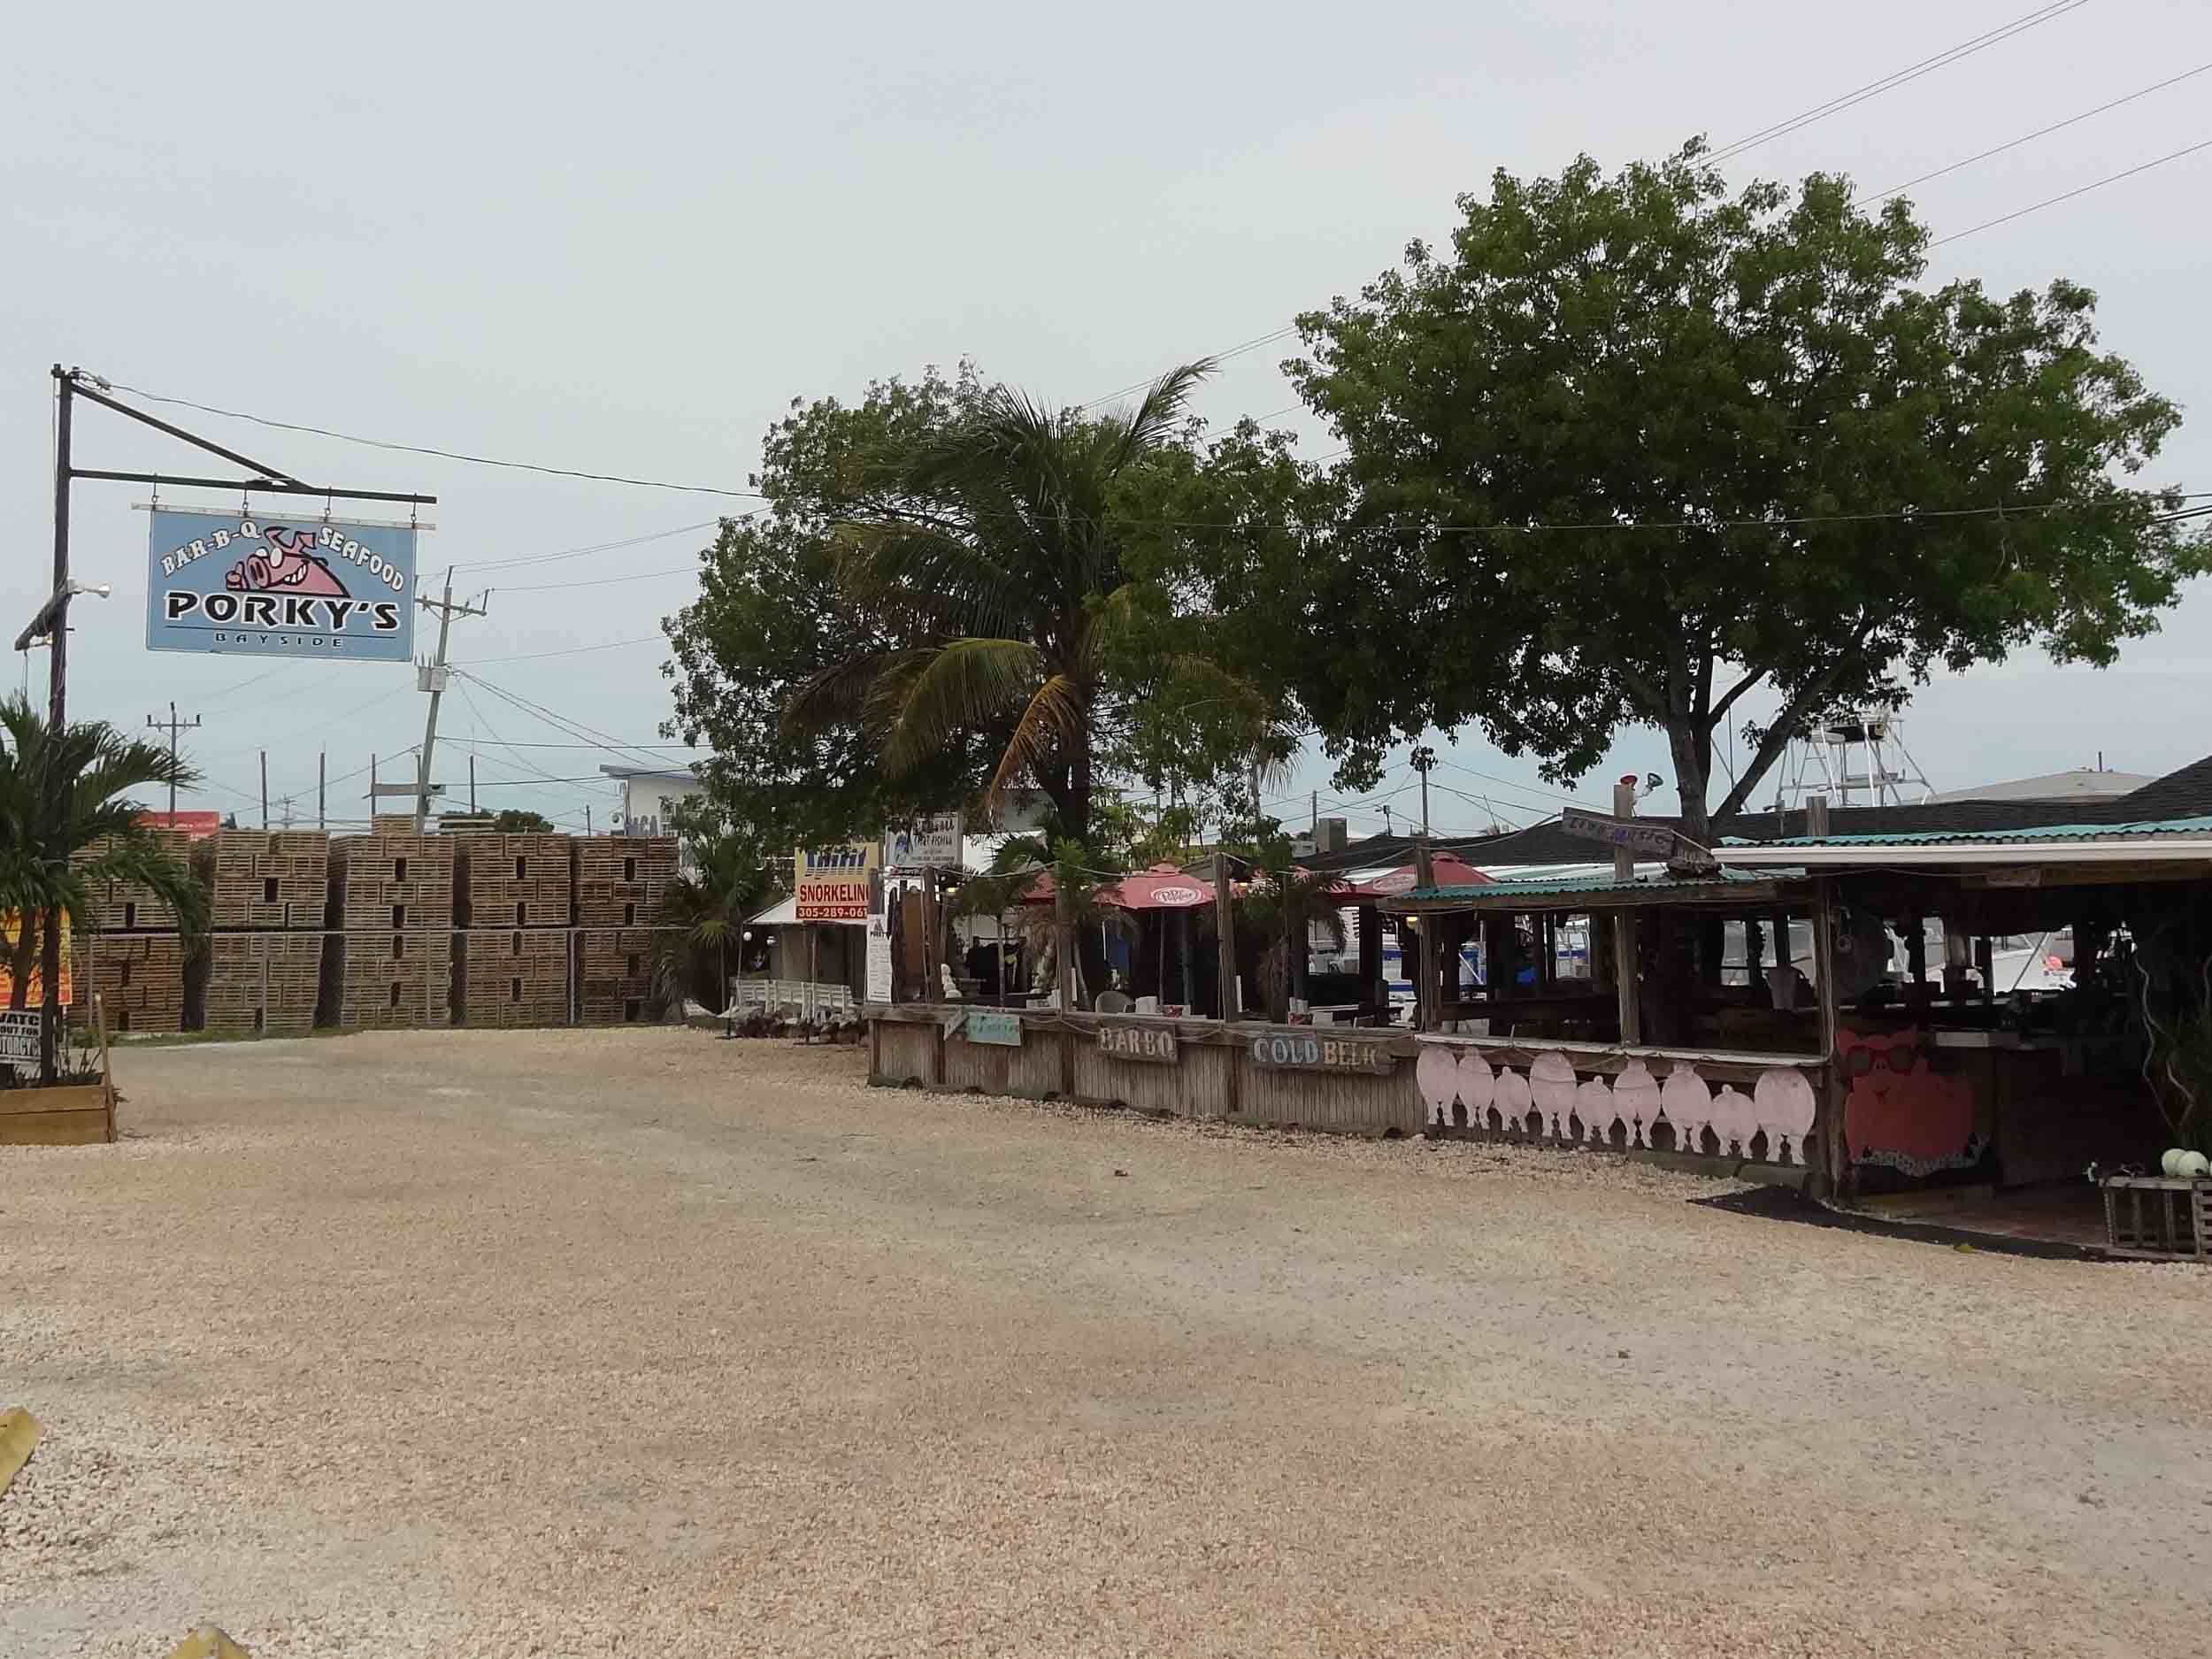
107	1071
1225	928
1625	990
931	976
1830	1092
1424	977
1371	956
1064	942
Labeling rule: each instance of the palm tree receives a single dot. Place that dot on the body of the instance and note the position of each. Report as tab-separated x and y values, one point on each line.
706	906
1274	924
62	794
1016	577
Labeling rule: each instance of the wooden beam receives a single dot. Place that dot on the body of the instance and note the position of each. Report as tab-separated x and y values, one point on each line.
1424	1016
1833	1152
1628	994
1225	942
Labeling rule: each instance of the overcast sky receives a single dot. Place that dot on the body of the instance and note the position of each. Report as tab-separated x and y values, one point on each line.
623	241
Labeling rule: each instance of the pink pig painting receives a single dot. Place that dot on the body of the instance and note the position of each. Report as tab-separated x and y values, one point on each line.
288	566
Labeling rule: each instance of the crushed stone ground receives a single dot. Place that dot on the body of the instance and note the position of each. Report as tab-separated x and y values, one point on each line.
637	1341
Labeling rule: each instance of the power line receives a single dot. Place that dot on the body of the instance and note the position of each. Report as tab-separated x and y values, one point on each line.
505	743
1843	101
1541	812
604	581
584	552
319	724
2007	219
478	711
572	650
1511	783
2040	132
250	680
443	455
574	728
1897	78
1536	527
1253	345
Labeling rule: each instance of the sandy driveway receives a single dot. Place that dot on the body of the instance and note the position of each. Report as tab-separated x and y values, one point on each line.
638	1343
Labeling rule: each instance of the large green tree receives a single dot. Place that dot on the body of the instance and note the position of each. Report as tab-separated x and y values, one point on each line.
1640	451
1011	546
953	591
772	616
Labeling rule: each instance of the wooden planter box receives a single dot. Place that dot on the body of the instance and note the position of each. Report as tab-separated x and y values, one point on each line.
69	1115
2158	1217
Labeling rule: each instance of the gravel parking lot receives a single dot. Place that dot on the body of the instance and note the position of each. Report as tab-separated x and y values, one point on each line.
641	1342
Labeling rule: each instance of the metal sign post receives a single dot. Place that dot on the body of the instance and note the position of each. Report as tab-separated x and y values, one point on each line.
53	617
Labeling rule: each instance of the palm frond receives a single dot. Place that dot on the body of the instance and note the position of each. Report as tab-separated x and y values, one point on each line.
134	856
965	683
845	690
1152	422
1055	723
899	558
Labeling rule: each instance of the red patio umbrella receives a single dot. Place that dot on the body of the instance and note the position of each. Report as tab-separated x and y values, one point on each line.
1448	870
1161	887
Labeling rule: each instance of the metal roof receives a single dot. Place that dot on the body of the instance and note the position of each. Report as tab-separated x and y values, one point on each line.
1492	893
2045	833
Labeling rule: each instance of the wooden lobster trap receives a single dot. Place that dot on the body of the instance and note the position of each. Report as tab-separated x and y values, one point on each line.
2158	1217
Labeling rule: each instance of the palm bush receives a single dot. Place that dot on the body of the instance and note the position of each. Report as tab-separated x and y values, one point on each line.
703	918
64	792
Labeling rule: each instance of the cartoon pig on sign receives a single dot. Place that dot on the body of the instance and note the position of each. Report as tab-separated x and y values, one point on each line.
289	566
1898	1111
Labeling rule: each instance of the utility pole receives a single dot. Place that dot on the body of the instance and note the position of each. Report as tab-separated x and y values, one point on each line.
56	709
1425	763
172	726
472	783
1224	934
322	767
433	682
587	820
265	788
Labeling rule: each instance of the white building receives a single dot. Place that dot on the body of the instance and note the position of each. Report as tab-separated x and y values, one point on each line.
647	796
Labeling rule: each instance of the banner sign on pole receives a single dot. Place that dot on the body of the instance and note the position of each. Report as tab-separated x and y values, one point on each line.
831	883
237	583
35	997
19	1039
926	843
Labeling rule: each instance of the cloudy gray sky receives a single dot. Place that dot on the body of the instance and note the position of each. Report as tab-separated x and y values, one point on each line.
622	242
